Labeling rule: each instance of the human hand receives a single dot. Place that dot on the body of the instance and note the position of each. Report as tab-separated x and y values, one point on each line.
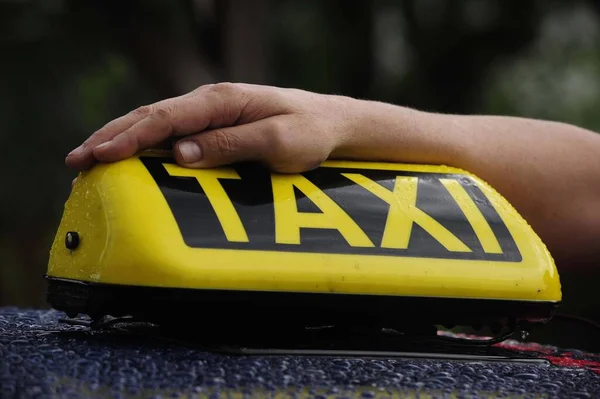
288	130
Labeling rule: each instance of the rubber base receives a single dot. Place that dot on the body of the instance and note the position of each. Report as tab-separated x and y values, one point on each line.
248	308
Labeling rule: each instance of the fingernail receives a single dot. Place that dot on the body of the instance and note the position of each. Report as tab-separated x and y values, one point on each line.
190	152
76	151
102	146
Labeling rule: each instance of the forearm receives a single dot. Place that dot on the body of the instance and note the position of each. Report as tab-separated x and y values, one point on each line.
549	171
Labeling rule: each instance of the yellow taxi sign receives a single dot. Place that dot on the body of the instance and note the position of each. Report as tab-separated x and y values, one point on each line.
344	228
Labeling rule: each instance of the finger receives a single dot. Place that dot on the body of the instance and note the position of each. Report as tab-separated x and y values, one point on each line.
82	157
249	142
155	130
213	106
189	115
147	133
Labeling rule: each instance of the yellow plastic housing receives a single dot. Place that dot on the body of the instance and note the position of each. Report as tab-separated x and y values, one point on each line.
347	227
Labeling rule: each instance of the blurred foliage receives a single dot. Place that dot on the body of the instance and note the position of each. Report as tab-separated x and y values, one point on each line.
559	77
69	66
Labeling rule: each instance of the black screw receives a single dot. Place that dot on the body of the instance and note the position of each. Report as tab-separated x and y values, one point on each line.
72	240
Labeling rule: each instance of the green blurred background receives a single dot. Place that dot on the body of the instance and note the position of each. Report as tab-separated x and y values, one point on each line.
68	67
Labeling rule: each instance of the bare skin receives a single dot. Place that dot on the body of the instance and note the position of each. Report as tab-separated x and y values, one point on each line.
549	171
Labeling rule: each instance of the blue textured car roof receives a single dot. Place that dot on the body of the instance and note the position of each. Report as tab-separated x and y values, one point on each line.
40	357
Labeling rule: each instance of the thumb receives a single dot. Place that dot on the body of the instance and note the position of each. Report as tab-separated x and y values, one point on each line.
223	146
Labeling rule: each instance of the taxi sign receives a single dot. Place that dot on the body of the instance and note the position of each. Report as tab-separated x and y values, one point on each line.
355	228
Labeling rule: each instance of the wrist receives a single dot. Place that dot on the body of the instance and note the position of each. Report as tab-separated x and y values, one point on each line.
376	131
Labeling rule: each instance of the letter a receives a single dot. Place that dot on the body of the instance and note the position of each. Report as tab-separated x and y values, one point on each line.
288	220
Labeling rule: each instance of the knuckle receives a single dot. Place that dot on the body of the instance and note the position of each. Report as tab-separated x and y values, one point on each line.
223	87
225	143
144	110
163	113
201	88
